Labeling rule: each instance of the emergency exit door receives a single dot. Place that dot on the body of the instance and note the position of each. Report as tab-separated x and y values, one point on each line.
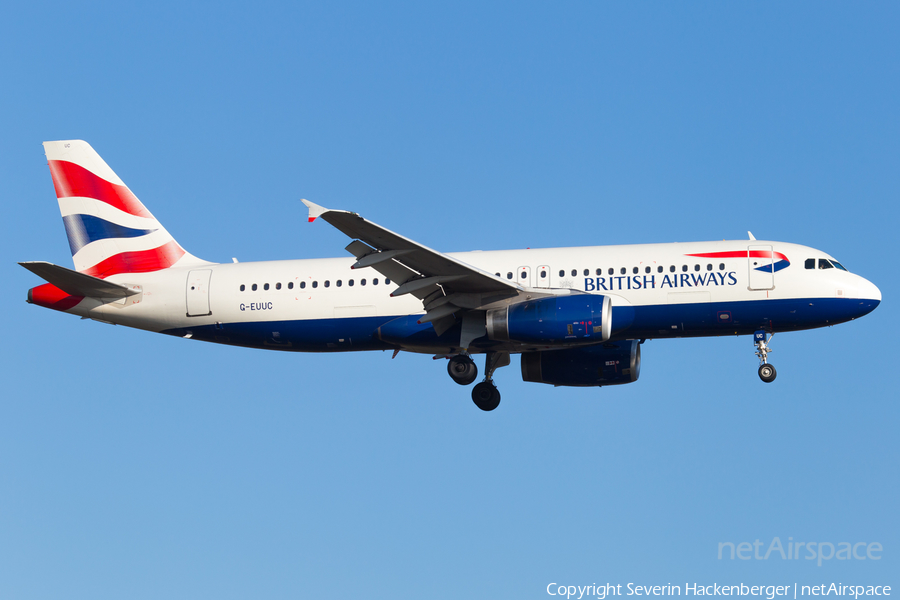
542	277
524	276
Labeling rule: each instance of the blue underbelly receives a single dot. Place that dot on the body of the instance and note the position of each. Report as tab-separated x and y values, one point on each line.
647	322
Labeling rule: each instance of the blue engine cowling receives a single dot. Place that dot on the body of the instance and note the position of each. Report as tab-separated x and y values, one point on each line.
612	363
560	319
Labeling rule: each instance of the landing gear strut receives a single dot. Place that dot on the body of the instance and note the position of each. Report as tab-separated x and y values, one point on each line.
766	371
462	369
485	395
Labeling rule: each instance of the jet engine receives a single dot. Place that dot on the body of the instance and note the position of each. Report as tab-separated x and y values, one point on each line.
560	319
612	363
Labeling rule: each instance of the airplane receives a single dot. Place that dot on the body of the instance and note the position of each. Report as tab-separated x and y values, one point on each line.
577	316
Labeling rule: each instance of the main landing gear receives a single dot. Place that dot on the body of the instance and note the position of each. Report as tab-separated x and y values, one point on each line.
485	395
463	371
766	371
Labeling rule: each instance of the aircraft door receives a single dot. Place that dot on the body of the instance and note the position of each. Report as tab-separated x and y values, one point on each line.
542	277
762	267
198	293
524	276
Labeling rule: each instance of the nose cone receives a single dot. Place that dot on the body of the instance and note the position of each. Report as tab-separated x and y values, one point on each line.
869	296
869	291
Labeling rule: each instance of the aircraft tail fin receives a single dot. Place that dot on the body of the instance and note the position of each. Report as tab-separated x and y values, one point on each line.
110	231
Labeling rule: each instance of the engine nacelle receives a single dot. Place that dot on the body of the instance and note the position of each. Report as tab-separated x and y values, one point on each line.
576	318
612	363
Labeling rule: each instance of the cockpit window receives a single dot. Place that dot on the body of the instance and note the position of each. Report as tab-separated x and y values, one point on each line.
824	263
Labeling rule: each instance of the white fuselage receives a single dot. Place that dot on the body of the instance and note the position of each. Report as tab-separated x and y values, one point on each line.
328	290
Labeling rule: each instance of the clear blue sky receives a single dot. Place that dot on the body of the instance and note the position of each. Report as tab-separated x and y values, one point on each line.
140	466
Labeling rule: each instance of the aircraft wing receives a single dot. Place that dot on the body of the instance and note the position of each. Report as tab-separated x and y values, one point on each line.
77	284
435	278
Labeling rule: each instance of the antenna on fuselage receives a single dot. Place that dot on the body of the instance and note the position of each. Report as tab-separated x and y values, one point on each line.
751	236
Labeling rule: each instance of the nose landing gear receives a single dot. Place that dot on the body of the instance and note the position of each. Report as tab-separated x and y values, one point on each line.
766	371
485	395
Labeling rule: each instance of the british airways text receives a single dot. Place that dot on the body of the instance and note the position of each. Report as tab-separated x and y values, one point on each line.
650	282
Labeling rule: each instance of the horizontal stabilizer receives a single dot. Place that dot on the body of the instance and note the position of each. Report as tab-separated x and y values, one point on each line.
77	284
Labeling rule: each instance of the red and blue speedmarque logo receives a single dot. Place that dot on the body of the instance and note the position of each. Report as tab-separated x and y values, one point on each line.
779	260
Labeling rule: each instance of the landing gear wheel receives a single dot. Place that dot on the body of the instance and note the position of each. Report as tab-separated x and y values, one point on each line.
767	373
486	396
462	369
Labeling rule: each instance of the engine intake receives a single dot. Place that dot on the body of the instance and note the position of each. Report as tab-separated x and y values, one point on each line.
612	363
580	317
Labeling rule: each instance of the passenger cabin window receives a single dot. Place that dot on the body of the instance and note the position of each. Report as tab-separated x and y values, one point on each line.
243	287
290	285
672	269
543	274
709	267
562	273
338	283
623	270
278	286
375	281
646	269
523	275
586	272
721	266
387	281
509	275
574	272
266	287
611	271
253	287
659	269
363	281
696	267
350	283
684	268
634	270
302	285
599	271
327	283
315	284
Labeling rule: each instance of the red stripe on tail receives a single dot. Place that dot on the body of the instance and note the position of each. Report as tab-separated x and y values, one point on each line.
71	180
142	261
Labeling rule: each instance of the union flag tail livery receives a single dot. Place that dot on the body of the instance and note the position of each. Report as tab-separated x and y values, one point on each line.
577	316
109	230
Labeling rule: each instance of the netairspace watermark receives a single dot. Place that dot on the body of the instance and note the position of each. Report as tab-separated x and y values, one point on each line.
604	590
800	550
